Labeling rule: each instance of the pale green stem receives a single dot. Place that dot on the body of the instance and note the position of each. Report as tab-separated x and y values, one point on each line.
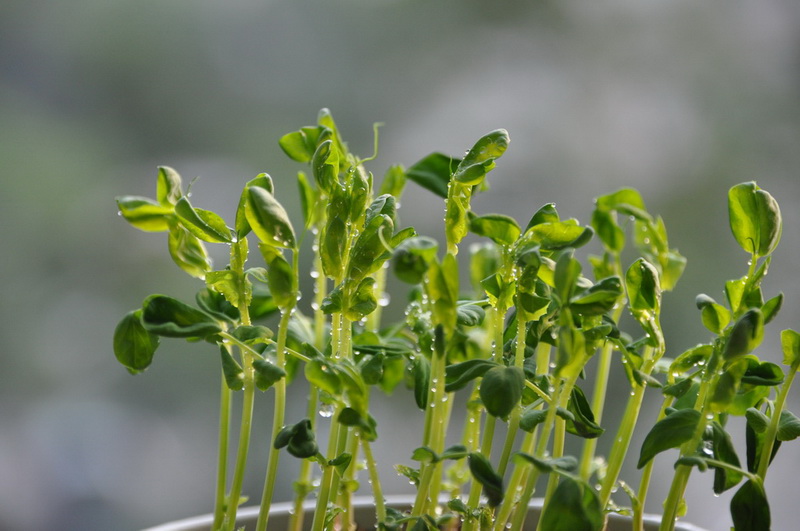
647	473
222	454
521	472
374	479
682	472
513	421
772	428
277	423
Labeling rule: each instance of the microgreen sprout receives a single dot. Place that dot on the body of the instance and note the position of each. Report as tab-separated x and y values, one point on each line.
515	340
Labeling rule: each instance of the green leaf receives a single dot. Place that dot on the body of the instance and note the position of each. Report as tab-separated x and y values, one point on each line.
308	199
144	214
582	423
231	370
281	278
225	282
362	301
790	342
268	219
573	507
433	172
724	478
298	439
322	374
372	368
168	186
424	454
204	224
262	180
492	482
501	390
547	213
188	252
771	308
394	181
626	201
134	346
370	251
750	509
481	158
765	373
757	420
644	291
607	229
267	374
502	229
412	258
332	247
598	299
443	290
421	369
469	314
301	145
382	205
746	334
715	316
755	218
565	464
170	317
670	432
458	375
788	426
325	165
214	303
557	235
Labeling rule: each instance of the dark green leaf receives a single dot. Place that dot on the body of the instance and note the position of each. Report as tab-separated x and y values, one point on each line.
765	373
372	368
755	218
268	219
321	374
501	390
469	314
252	334
788	426
582	423
460	374
170	317
134	346
370	251
231	370
724	478
670	432
422	377
573	507
433	172
750	509
746	334
267	374
597	299
332	247
492	482
362	301
566	464
281	278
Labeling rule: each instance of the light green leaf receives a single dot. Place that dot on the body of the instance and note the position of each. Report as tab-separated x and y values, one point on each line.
168	186
481	158
755	218
746	334
188	252
145	214
644	291
790	342
268	219
502	229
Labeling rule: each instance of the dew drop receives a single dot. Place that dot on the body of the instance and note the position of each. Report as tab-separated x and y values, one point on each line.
326	411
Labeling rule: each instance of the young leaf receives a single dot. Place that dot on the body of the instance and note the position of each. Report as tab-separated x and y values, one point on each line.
573	507
755	218
267	374
204	224
481	158
308	199
750	509
369	251
362	301
746	334
557	235
788	426
145	214
421	369
168	186
262	180
301	145
582	423
460	374
502	229
268	219
394	181
134	346
790	342
644	292
670	432
715	316
492	482
332	247
433	172
413	257
501	390
231	370
281	278
325	165
188	252
170	317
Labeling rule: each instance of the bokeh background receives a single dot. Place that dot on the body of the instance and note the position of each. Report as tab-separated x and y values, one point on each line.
678	99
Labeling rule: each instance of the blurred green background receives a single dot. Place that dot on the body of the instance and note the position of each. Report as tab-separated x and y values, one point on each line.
678	99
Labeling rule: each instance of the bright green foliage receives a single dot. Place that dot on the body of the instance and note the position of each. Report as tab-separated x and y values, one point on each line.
516	340
755	218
